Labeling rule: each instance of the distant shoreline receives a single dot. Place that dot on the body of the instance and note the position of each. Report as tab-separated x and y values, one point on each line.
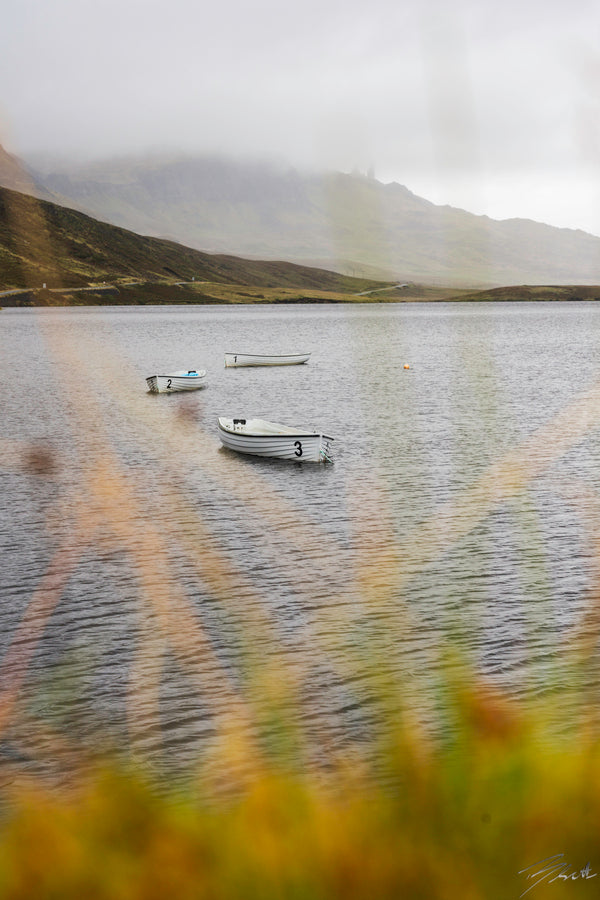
210	294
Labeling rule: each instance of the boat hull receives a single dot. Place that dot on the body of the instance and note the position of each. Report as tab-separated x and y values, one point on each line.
254	359
259	438
191	380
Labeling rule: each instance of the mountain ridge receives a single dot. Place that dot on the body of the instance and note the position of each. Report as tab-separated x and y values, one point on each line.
351	224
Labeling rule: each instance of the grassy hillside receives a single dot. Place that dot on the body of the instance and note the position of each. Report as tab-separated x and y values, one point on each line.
43	243
522	292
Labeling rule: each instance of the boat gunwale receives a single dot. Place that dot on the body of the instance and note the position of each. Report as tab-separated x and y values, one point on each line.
200	373
266	355
275	434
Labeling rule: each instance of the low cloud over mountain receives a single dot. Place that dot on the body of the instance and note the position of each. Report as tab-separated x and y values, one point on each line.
348	223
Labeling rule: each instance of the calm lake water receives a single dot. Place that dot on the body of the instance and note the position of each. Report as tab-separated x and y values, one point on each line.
149	576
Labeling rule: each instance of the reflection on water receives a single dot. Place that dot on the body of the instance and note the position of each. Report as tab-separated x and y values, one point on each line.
149	574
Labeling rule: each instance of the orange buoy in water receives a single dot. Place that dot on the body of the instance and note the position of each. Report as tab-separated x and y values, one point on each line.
406	366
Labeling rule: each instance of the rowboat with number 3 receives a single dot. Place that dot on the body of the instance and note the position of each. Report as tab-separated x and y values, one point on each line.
265	359
260	438
189	380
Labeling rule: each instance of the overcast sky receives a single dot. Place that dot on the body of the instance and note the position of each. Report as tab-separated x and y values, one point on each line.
490	106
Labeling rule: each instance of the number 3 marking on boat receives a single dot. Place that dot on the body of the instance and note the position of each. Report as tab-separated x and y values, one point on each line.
298	445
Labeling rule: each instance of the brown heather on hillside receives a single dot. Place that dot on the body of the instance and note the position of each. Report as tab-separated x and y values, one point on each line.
43	243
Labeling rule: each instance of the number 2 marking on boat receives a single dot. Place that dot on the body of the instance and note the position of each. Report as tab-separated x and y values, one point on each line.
298	446
168	384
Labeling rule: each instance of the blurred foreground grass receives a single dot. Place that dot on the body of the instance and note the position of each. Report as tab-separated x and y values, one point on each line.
458	816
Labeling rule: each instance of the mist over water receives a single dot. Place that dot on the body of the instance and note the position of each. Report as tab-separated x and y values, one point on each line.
147	570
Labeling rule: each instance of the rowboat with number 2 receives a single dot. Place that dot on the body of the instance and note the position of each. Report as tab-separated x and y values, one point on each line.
189	380
260	438
257	359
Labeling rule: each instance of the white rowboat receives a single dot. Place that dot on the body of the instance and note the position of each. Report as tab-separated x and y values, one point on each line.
189	380
260	438
258	359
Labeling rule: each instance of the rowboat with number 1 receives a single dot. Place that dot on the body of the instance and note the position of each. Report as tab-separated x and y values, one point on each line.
189	380
265	359
260	438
